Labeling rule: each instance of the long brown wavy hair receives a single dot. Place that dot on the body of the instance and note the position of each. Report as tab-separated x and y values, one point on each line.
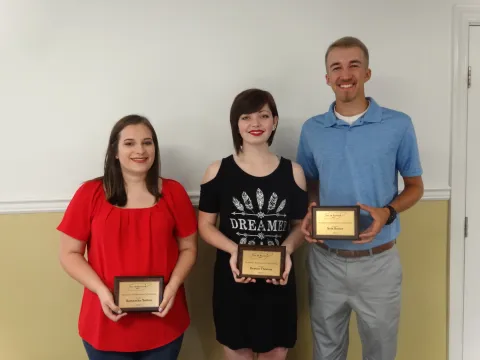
112	178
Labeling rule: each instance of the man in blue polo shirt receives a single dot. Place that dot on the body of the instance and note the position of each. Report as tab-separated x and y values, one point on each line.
352	155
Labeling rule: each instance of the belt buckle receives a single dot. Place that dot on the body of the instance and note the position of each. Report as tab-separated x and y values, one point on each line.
353	253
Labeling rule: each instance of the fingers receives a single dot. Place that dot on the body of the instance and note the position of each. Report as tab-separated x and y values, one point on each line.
110	309
307	219
243	280
369	234
365	207
282	281
111	305
365	237
165	301
164	307
236	272
109	312
233	264
306	226
312	240
273	281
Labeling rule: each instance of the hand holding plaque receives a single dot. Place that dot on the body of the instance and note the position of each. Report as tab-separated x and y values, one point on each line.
236	273
335	222
261	262
112	311
169	295
286	273
379	216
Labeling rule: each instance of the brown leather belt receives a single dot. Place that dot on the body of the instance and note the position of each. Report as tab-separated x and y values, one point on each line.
359	253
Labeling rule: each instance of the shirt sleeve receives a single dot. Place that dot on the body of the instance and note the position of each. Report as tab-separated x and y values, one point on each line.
76	221
305	156
183	211
408	158
209	197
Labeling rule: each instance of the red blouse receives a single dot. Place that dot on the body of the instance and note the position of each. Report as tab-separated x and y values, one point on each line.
130	242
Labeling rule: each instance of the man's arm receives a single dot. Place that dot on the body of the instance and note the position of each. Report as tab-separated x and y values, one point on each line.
313	200
411	194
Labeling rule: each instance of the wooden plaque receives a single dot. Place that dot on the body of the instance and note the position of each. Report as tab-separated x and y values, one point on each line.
335	222
137	294
264	262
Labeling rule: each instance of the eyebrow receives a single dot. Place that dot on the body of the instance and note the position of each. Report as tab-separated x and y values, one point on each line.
351	62
334	64
130	139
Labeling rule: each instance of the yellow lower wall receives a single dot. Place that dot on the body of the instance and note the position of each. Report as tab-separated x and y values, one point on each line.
39	303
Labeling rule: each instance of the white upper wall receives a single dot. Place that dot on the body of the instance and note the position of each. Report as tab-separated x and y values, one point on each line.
70	69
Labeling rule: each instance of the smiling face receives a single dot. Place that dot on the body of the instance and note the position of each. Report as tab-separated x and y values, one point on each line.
256	128
253	118
136	149
347	72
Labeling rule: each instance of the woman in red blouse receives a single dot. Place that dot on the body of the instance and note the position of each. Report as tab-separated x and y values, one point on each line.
133	223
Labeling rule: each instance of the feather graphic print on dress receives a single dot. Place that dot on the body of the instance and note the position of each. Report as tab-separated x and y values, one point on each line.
255	227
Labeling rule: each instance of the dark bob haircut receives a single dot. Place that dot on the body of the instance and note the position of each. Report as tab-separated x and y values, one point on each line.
247	102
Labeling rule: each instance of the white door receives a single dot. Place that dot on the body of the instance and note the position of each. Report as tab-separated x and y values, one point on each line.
472	241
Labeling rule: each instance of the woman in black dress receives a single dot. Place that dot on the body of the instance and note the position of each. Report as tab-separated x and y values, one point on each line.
261	199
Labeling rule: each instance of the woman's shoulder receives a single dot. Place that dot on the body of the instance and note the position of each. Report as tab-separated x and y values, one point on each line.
299	176
90	187
213	169
297	172
171	185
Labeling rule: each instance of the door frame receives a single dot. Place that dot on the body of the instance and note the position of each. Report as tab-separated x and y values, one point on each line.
463	17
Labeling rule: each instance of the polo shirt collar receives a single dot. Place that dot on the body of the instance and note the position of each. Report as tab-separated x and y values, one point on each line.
373	114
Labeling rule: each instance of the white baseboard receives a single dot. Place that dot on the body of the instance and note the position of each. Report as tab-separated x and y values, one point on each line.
41	206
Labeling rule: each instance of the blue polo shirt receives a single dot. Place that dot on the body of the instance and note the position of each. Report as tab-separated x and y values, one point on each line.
360	162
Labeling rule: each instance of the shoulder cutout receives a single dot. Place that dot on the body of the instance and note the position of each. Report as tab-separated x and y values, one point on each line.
212	171
299	176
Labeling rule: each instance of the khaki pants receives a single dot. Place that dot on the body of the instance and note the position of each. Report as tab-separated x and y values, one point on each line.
370	286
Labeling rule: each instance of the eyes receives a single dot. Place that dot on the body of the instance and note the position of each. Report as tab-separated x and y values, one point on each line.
132	143
336	68
248	117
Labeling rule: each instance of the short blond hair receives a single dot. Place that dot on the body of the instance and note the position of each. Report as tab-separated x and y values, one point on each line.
348	42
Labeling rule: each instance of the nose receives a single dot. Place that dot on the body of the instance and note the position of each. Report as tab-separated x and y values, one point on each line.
345	74
140	148
255	121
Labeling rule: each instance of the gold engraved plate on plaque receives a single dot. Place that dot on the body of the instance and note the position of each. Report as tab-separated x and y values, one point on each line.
335	222
138	293
261	261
